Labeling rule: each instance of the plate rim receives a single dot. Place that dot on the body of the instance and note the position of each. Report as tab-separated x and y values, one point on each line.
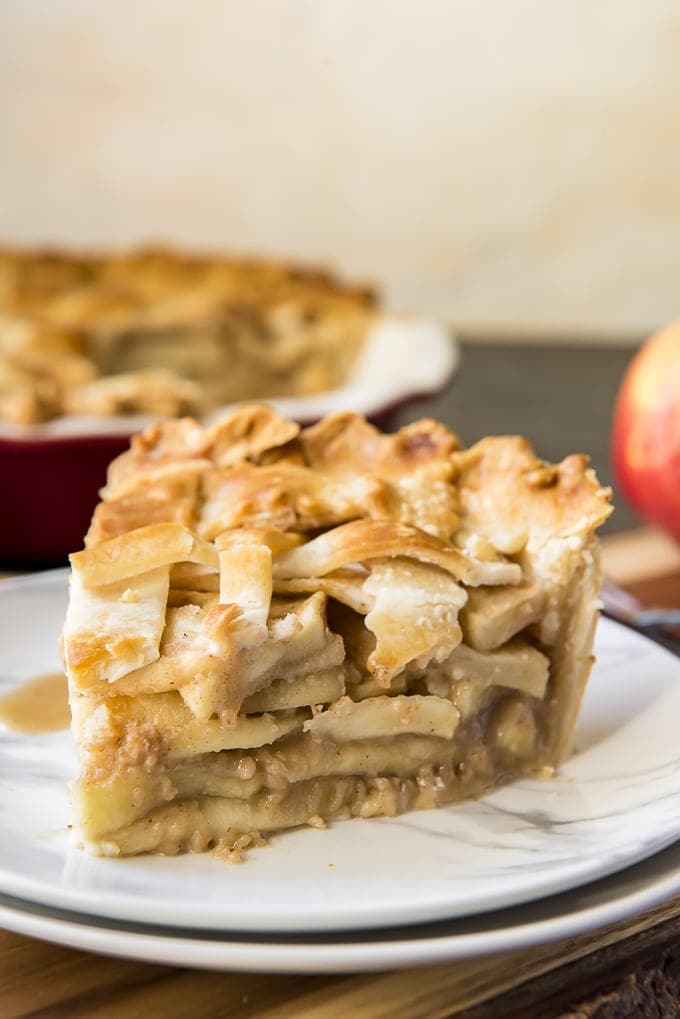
307	957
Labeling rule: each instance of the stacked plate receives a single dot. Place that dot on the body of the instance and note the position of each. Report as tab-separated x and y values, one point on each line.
536	861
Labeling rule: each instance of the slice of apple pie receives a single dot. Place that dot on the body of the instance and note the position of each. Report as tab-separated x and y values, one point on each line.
273	626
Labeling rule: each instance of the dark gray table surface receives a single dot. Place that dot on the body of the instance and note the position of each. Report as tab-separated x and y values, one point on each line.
560	397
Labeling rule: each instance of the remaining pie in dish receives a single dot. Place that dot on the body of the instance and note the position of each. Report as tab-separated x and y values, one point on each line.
165	333
272	627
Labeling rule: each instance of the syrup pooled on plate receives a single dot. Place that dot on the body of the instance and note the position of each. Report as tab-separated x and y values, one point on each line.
38	705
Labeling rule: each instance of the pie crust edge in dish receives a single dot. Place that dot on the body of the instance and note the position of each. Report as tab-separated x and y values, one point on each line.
163	332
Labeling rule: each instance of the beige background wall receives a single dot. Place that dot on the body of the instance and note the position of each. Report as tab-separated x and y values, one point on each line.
510	163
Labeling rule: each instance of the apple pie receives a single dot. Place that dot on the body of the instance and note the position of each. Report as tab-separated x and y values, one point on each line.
162	333
272	626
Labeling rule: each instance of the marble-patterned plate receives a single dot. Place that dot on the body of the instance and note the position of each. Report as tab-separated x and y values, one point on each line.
579	911
616	801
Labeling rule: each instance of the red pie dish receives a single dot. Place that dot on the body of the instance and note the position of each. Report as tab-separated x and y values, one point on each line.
54	470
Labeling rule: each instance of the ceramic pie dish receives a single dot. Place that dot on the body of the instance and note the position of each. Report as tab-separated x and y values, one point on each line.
55	469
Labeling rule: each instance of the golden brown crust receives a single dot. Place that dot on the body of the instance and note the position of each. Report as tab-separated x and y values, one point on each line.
363	540
173	449
141	550
165	333
248	432
167	499
508	495
348	443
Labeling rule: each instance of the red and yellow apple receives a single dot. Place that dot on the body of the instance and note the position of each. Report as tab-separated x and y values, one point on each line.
646	435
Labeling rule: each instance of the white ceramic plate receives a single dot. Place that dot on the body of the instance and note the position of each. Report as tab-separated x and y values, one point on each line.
580	911
616	801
